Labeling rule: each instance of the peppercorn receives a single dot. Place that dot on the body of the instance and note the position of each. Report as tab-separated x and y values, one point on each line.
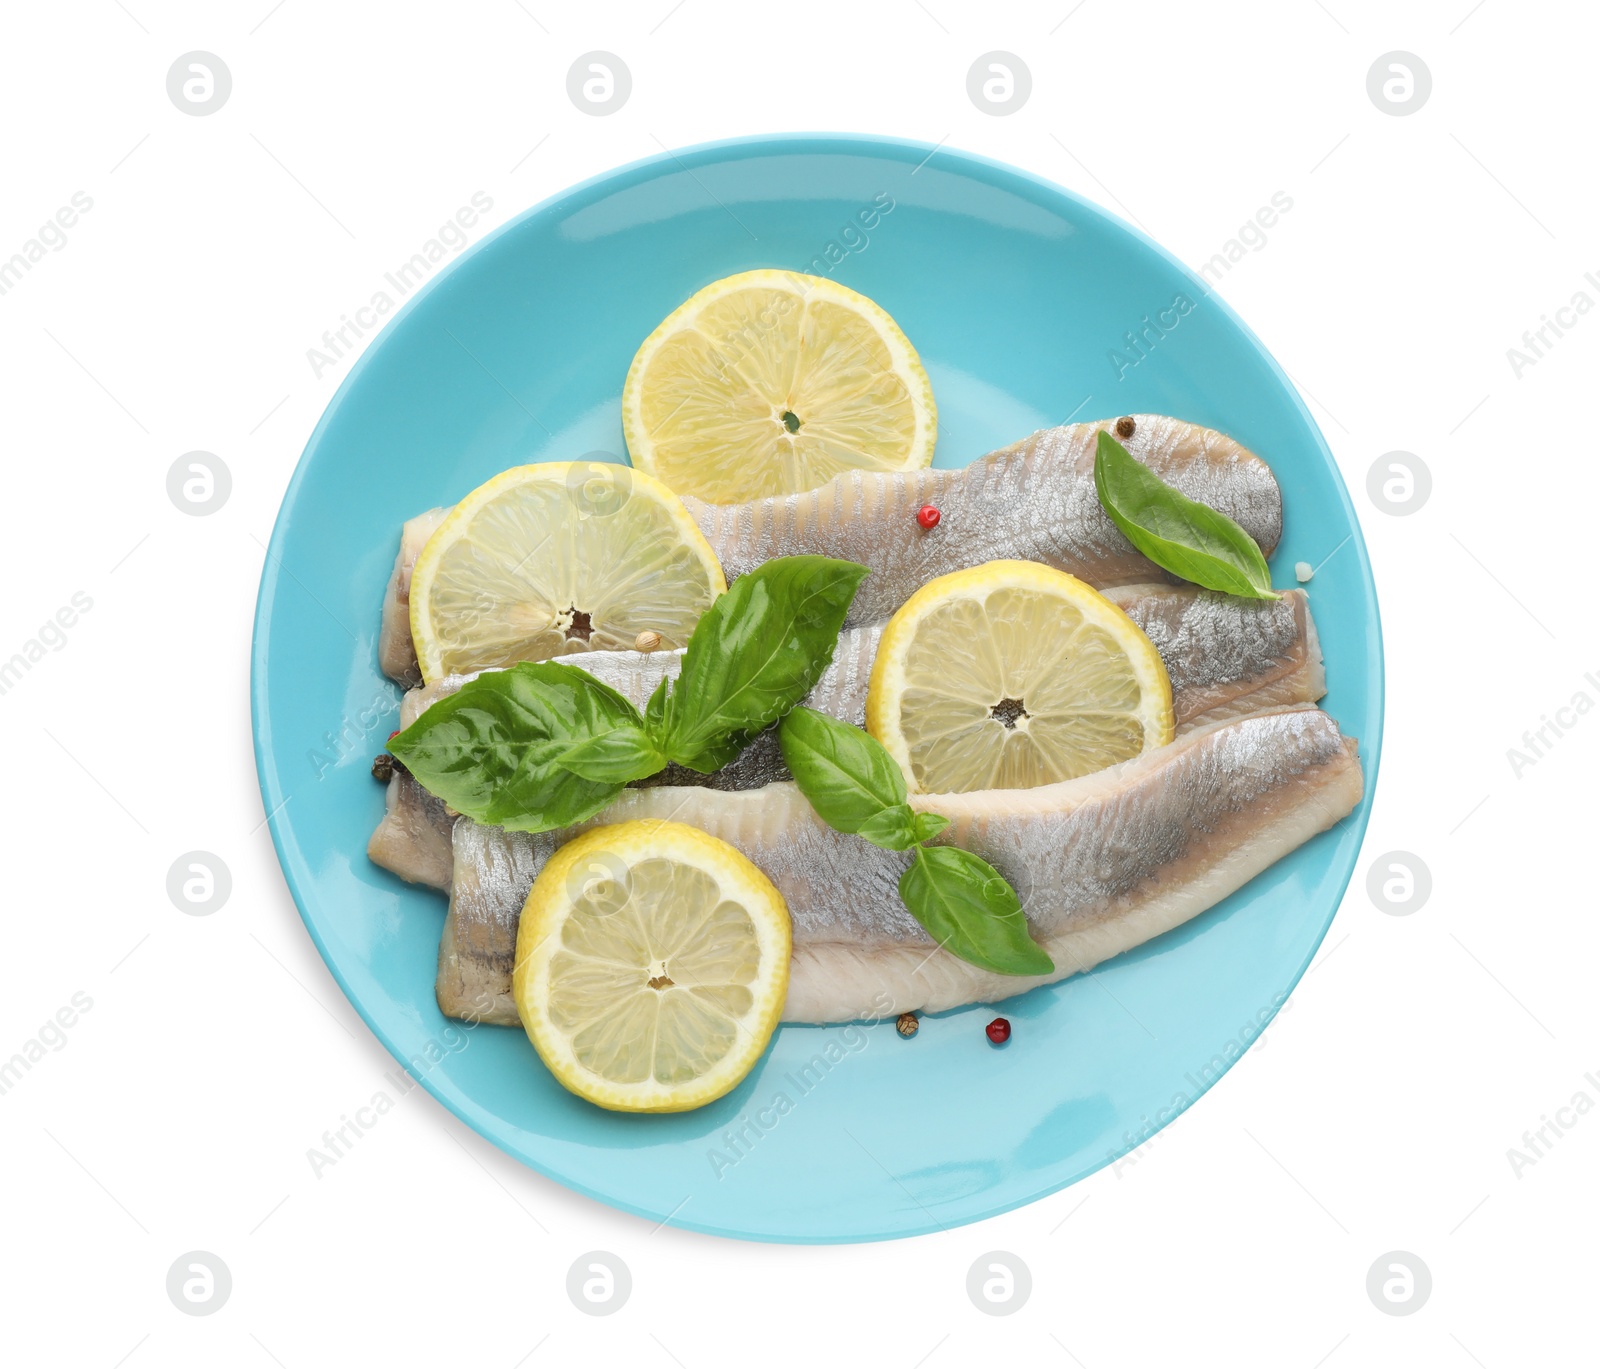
1125	427
383	767
998	1031
928	517
906	1024
647	641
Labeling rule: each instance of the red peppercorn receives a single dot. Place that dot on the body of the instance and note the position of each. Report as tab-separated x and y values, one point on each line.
928	517
394	734
998	1031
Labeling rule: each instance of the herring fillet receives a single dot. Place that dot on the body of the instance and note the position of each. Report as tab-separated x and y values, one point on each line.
1032	501
397	656
1102	864
1224	655
412	838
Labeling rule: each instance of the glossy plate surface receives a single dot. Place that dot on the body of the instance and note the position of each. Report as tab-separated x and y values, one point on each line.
1018	296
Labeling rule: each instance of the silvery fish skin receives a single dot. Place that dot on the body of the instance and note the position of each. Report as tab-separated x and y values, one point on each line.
1032	501
1102	864
1224	655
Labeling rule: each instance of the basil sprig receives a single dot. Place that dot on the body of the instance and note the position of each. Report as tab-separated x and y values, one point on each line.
1181	535
545	745
962	901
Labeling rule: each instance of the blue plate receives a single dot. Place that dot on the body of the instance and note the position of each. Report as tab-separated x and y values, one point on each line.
1029	306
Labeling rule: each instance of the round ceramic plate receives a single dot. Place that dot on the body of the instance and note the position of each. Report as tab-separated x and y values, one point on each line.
1029	307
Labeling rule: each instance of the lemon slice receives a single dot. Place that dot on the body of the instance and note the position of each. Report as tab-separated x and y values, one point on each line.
561	557
1011	675
772	382
652	964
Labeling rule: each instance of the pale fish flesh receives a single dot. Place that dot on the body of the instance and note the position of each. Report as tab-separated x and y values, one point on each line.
1032	501
1102	864
1224	655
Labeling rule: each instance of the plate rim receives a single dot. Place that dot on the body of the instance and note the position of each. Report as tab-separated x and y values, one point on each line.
995	172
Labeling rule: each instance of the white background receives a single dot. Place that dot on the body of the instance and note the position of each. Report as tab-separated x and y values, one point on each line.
1378	1111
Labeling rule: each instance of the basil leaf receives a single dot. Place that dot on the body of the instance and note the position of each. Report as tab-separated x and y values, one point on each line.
655	709
848	776
496	749
969	909
722	752
616	756
929	825
1181	535
755	653
894	829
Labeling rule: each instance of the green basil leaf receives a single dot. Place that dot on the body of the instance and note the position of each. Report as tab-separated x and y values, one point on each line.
970	910
655	711
722	752
755	653
1181	535
894	829
495	750
617	756
929	825
849	778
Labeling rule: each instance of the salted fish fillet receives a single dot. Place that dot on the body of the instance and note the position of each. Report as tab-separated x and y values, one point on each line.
412	838
1102	864
397	656
1032	501
1224	655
